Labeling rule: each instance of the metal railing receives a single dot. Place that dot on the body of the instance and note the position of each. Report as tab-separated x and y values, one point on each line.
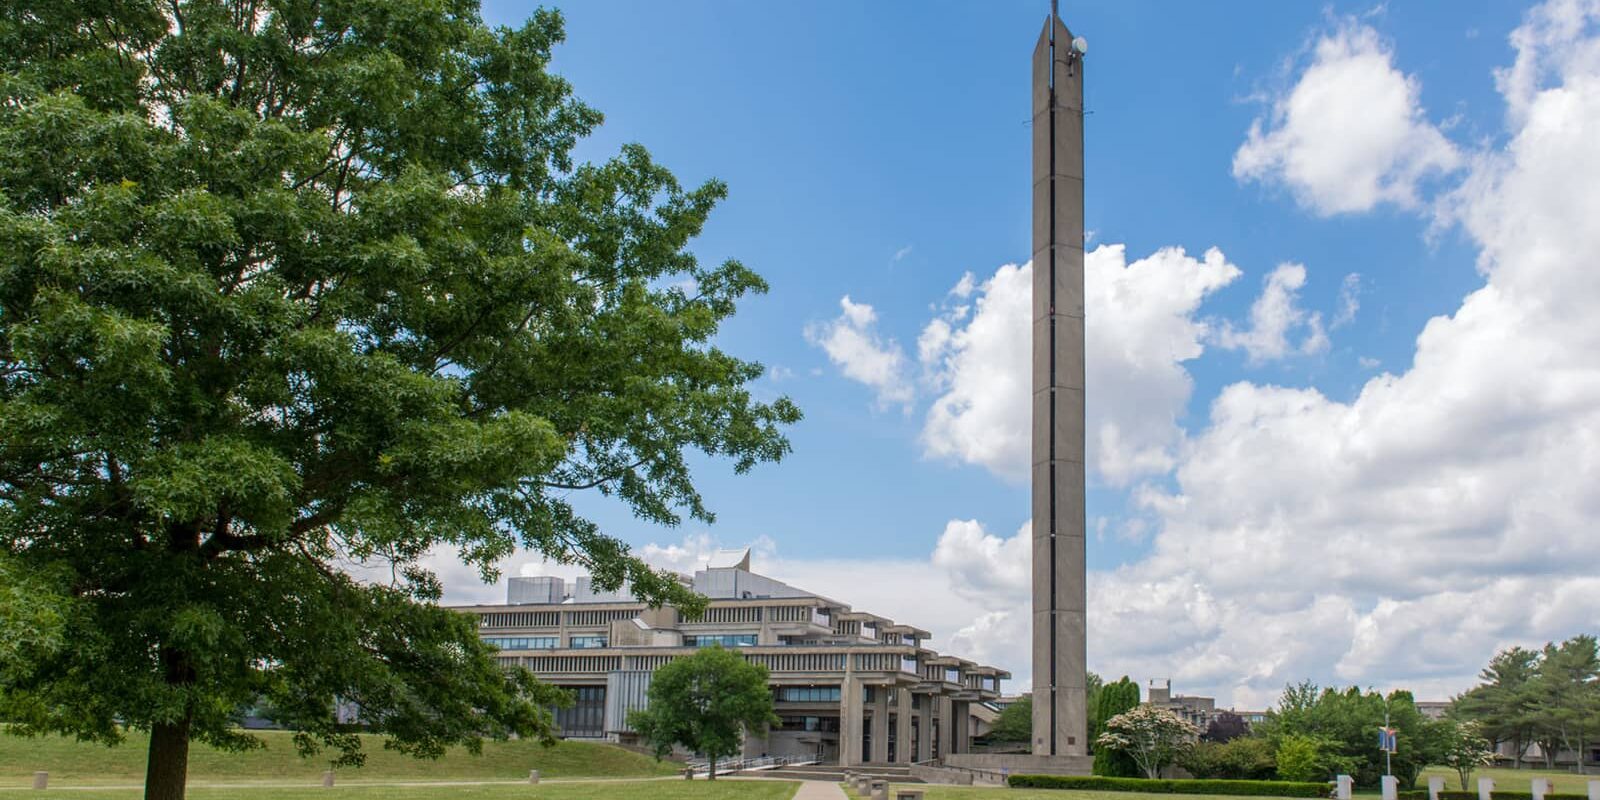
729	766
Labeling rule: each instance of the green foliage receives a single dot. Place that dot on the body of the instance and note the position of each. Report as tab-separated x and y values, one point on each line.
286	285
1504	703
1159	786
1015	723
1344	724
1550	697
705	703
1115	698
1499	795
1246	758
1301	758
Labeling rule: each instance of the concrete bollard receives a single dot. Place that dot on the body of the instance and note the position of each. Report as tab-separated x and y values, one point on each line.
880	790
41	780
327	779
1435	786
1346	785
533	776
1485	788
1594	790
1391	787
1541	787
863	787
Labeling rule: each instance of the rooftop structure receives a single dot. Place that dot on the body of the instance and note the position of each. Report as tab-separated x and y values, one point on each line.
851	687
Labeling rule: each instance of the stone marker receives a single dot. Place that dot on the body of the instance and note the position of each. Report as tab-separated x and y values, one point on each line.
1391	787
533	776
863	787
41	780
880	790
1594	790
1541	787
327	779
1435	786
908	794
1485	788
1346	784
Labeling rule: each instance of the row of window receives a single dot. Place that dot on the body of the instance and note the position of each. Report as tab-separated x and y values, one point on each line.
524	642
726	640
792	722
543	642
808	694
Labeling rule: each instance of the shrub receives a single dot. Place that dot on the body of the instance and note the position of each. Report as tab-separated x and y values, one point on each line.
1453	795
1160	786
1499	795
1299	758
1247	758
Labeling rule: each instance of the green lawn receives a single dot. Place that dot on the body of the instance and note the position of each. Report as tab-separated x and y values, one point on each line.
70	762
995	793
1511	780
650	790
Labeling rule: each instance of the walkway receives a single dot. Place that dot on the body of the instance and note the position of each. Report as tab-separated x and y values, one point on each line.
819	790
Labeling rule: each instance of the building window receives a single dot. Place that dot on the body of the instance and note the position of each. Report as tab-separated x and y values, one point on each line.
725	640
523	642
808	694
952	674
795	722
586	717
586	641
894	723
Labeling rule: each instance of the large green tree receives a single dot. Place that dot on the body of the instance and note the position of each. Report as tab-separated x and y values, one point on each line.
291	284
1117	697
1505	702
706	703
1566	691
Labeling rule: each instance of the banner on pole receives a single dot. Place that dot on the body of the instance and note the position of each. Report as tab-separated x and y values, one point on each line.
1388	740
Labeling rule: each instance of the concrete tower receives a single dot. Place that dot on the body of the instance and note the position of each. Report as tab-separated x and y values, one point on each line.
1060	714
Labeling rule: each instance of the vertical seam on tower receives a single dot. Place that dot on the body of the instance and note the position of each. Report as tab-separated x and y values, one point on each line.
1050	240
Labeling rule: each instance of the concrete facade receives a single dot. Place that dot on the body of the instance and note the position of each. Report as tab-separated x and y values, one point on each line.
851	687
1060	713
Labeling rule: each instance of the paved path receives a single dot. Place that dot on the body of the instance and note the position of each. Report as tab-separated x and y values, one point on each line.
819	790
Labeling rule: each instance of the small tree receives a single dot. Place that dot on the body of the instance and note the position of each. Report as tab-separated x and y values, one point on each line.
1301	758
1015	723
1226	726
1153	737
705	702
1466	749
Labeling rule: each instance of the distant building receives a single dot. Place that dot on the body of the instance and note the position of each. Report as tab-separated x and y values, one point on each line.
1433	709
850	687
1199	711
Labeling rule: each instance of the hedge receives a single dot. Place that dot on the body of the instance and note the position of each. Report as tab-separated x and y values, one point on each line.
1161	786
1499	795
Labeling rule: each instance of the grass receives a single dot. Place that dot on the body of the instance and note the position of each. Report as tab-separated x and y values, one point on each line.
647	790
1511	780
74	763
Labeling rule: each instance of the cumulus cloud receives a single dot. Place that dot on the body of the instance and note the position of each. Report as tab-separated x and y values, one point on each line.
1274	315
854	345
1141	327
1350	134
1402	536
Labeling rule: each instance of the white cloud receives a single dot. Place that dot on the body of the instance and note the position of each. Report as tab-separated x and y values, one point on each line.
1400	537
853	344
1273	316
1141	327
1350	134
900	254
1349	301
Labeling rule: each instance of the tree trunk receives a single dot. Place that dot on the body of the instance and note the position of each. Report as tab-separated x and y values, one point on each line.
711	769
167	770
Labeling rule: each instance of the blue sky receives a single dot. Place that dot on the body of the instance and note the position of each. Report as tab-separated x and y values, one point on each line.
880	151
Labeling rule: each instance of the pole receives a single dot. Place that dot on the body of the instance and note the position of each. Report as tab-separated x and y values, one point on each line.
1388	752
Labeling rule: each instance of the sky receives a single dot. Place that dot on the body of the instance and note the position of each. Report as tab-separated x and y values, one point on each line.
1343	382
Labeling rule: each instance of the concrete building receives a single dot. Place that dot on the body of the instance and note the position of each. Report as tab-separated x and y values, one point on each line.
1199	711
851	687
